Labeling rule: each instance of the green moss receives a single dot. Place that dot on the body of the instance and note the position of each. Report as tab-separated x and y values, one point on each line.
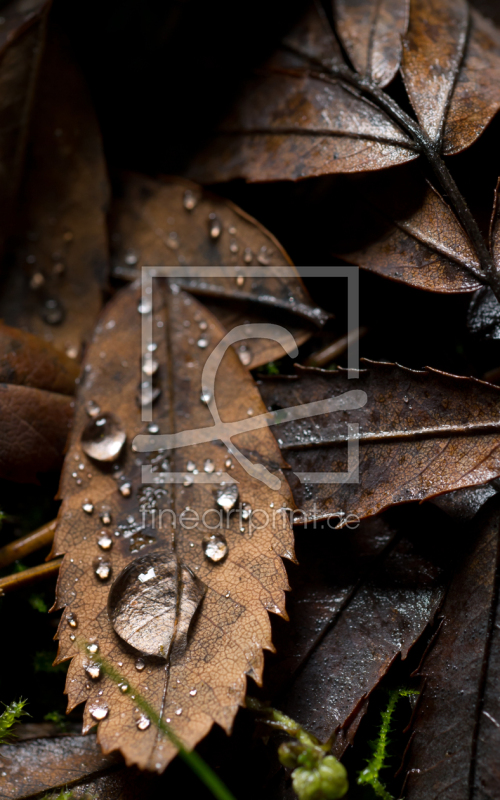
9	717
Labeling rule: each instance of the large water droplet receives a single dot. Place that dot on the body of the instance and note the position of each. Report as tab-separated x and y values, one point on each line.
152	602
103	438
214	226
215	548
209	466
227	497
99	712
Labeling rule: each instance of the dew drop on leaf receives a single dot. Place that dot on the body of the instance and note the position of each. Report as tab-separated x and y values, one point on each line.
227	497
152	602
99	712
143	723
103	438
215	548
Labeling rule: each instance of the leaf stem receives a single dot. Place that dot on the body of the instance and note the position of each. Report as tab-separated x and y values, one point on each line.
19	548
19	580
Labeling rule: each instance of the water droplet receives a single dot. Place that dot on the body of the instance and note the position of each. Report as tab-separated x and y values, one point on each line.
202	342
93	671
190	466
152	602
215	548
228	463
153	427
205	397
193	692
247	258
72	637
214	226
188	480
131	258
147	393
105	518
233	247
103	570
88	507
179	712
139	664
53	311
209	465
190	200
245	355
105	541
250	412
145	307
227	497
406	399
37	280
124	687
149	364
203	326
92	409
125	489
103	438
246	511
93	648
263	257
143	723
99	712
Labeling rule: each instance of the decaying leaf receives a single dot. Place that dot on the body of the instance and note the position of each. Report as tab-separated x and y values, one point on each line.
176	223
22	37
54	287
420	434
371	33
306	114
36	384
411	236
456	732
221	582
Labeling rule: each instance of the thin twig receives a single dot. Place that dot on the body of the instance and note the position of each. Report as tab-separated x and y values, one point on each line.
22	547
335	349
19	580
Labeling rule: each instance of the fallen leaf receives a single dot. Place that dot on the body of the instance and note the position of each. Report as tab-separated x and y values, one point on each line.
379	623
455	732
111	523
175	222
371	33
36	385
54	287
411	236
22	37
420	434
433	51
305	113
290	123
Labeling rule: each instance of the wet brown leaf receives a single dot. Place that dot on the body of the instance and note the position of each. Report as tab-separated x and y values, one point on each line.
54	287
36	384
175	222
196	680
371	33
432	55
22	37
290	125
302	115
411	236
456	733
421	433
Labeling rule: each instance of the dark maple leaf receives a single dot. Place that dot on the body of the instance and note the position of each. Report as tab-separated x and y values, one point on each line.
191	667
55	284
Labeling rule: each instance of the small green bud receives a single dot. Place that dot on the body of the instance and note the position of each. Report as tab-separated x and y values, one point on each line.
327	781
